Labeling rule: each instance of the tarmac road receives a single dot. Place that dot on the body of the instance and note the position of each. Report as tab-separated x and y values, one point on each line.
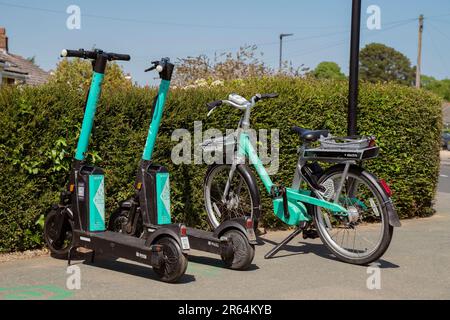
415	267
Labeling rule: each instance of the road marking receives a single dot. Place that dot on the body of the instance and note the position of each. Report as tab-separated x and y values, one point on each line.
443	176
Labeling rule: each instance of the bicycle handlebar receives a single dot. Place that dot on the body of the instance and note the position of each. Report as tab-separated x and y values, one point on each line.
214	104
84	54
258	97
266	96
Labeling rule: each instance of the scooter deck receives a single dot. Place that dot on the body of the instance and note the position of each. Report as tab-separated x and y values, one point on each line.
206	241
120	246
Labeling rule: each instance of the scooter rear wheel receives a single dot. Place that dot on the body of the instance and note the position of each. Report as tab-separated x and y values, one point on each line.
59	244
243	252
175	262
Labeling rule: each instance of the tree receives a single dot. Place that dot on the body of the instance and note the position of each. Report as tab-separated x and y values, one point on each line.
439	87
328	70
225	66
380	63
77	73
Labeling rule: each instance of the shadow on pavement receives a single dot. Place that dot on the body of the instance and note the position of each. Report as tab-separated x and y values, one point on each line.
125	267
215	262
318	249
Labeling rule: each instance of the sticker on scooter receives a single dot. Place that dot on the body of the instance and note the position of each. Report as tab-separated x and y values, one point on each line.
185	243
85	239
213	244
141	255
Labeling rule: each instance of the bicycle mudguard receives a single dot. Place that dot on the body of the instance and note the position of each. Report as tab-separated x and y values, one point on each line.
296	196
394	220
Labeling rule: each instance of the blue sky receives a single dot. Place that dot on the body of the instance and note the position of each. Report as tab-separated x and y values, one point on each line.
148	29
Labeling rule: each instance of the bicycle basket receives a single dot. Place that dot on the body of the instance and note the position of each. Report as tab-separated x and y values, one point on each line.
346	143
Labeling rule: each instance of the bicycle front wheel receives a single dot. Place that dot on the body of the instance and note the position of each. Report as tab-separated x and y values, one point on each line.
242	200
364	235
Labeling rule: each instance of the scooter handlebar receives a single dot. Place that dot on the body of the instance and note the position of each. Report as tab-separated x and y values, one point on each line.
84	54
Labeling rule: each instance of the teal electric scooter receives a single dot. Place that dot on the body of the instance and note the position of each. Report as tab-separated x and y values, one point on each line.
79	219
149	209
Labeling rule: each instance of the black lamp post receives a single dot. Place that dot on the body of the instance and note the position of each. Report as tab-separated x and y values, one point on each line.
354	68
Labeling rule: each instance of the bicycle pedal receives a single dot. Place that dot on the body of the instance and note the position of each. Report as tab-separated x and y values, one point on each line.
310	234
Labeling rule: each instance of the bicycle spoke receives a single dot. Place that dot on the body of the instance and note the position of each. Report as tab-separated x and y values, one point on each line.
354	235
238	201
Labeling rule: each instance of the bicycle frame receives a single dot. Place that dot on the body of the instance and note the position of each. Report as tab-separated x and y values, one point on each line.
296	198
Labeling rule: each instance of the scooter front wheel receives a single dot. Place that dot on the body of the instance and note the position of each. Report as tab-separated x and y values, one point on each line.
59	242
175	262
242	253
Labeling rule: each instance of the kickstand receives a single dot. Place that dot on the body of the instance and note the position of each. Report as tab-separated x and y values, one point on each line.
69	256
277	248
93	256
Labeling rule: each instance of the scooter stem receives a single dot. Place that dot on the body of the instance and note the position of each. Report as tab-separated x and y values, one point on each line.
156	120
88	120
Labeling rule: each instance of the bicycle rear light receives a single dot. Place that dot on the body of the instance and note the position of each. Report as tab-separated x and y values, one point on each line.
249	223
183	231
386	187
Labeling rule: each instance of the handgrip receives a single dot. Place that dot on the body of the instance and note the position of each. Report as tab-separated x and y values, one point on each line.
119	56
158	65
266	96
269	96
81	53
158	68
214	104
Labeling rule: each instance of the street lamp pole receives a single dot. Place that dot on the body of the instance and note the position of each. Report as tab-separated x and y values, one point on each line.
283	35
354	68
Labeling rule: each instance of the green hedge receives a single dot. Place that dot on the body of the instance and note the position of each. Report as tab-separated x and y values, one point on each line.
39	127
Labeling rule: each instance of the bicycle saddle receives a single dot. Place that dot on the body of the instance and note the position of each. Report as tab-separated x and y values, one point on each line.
310	135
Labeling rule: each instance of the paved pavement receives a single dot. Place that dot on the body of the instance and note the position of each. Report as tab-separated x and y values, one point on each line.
415	267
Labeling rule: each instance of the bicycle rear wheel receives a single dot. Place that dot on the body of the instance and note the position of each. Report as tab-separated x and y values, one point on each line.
364	235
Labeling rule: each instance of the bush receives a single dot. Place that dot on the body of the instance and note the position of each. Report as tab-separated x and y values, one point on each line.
39	128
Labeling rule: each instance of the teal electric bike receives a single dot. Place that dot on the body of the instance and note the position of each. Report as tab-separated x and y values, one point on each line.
348	207
78	221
